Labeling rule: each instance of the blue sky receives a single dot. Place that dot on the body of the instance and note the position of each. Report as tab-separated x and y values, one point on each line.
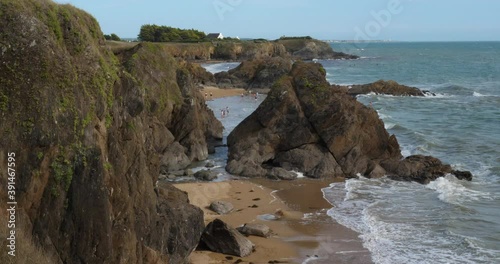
407	20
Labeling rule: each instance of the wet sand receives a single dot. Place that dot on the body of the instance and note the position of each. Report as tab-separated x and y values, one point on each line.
315	238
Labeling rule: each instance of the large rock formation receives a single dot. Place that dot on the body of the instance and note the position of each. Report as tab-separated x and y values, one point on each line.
307	126
89	130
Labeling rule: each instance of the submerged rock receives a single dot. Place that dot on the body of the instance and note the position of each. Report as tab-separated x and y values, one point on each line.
220	237
422	169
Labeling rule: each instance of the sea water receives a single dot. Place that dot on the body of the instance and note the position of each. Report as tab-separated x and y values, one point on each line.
239	108
447	220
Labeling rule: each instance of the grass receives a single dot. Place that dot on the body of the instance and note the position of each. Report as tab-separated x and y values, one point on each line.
63	173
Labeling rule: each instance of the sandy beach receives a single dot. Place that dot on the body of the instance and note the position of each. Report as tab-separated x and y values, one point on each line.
219	93
304	233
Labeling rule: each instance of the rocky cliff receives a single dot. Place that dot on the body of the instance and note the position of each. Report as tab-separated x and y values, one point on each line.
302	49
91	132
305	125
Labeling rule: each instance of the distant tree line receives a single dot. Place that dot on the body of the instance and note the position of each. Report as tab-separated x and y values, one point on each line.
304	37
155	33
113	36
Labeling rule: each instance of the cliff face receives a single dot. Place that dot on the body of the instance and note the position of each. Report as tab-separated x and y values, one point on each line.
91	132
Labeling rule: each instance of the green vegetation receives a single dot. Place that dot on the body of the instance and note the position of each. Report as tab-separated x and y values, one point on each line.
4	101
113	36
63	173
286	38
155	33
108	166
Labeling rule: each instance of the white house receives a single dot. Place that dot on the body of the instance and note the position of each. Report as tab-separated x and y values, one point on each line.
215	36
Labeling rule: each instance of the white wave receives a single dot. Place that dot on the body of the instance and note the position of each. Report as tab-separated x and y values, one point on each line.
310	259
382	115
220	67
451	190
404	231
299	174
437	95
389	125
309	216
476	94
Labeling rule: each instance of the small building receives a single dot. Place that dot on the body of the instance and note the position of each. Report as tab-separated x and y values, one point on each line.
215	36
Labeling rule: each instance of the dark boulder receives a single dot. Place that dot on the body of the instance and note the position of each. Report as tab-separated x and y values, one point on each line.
220	237
280	174
205	175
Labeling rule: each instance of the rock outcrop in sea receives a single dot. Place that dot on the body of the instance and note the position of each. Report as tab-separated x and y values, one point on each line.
91	132
306	126
385	87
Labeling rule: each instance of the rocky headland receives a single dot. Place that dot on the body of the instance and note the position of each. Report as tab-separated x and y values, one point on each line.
306	126
297	49
309	49
91	132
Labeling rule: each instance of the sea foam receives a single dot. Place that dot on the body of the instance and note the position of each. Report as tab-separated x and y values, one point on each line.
451	190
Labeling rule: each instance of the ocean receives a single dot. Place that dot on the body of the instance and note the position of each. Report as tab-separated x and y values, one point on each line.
445	221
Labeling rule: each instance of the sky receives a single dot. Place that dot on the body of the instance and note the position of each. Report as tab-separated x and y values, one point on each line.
397	20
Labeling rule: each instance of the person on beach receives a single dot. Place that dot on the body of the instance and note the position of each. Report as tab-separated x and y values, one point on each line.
227	110
211	97
206	96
